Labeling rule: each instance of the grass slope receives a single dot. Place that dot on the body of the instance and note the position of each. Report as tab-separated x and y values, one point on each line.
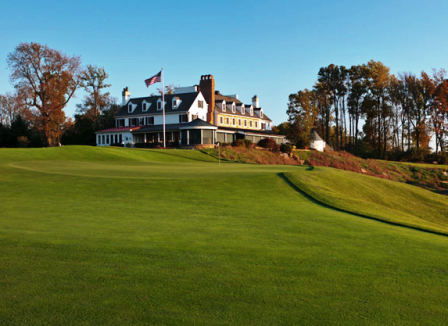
184	242
377	198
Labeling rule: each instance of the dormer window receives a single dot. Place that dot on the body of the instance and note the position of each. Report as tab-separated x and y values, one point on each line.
261	113
251	111
176	102
224	106
233	107
159	104
243	110
130	108
144	106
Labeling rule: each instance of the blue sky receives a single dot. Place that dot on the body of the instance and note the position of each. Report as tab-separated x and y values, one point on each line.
268	48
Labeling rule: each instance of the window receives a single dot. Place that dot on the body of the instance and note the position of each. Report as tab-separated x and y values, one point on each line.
245	123
176	102
261	113
149	120
103	142
221	120
183	118
159	105
239	122
234	121
243	110
107	139
233	108
224	106
99	139
256	124
130	108
141	121
144	107
200	104
251	111
227	121
250	123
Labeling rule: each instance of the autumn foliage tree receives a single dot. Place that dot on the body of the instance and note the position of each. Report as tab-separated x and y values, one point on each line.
48	79
302	112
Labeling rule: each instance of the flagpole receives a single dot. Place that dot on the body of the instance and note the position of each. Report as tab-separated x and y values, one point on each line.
163	105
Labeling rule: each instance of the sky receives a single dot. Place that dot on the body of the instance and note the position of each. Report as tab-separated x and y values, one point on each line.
266	48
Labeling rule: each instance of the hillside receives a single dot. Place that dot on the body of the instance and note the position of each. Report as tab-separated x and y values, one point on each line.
377	198
117	236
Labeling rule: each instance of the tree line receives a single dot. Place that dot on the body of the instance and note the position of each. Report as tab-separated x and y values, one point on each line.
44	81
370	112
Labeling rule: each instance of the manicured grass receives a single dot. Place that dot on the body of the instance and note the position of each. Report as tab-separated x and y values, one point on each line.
96	236
373	197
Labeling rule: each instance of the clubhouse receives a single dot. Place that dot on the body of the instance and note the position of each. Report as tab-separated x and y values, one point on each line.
195	115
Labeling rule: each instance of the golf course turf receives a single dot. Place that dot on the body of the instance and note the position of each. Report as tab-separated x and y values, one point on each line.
113	236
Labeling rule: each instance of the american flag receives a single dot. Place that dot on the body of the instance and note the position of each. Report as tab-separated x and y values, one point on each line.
154	79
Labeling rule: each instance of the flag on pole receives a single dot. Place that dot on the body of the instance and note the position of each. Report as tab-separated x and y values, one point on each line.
154	79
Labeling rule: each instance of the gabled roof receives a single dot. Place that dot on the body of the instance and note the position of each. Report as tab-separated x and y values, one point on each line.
187	100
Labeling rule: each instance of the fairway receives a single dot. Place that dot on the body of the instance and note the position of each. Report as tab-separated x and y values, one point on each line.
114	236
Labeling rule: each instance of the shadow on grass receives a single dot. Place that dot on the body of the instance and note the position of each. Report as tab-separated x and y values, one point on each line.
317	202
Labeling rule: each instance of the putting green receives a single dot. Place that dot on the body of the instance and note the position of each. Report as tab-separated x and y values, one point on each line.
148	170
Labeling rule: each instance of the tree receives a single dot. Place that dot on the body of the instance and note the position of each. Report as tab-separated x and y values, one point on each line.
169	90
93	81
358	91
302	112
48	79
439	112
12	105
378	82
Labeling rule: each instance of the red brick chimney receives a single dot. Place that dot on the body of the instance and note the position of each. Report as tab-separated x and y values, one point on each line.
207	85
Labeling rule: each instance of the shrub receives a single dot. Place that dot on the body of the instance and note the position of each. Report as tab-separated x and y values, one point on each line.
269	143
242	143
22	141
286	148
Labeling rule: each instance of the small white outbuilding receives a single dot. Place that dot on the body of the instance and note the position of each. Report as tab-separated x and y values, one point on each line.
317	143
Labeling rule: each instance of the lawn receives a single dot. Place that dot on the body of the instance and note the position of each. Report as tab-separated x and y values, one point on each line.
113	236
386	200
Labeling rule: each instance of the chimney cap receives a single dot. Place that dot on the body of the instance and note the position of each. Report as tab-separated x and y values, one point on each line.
207	77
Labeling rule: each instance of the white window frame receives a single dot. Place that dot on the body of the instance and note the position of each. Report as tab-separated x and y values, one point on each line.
161	107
